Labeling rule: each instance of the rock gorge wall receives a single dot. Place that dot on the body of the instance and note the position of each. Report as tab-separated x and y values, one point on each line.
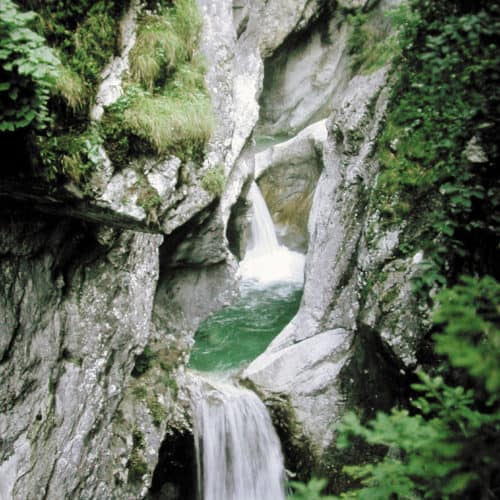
357	332
89	282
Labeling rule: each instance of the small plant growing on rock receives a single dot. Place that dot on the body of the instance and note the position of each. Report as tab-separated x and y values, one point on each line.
157	410
136	464
214	180
143	362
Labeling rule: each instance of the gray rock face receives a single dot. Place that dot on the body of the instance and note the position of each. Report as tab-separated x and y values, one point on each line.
302	78
287	174
236	39
357	298
77	314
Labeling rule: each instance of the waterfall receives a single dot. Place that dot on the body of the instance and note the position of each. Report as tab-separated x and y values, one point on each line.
238	453
264	240
266	261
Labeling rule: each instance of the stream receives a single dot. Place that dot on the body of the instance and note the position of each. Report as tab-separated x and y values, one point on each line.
238	453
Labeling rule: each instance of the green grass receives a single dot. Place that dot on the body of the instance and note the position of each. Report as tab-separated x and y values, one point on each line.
170	123
85	34
164	41
157	410
166	107
370	46
71	88
136	464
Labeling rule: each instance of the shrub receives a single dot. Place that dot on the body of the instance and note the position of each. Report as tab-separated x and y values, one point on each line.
448	447
369	45
310	491
85	34
446	93
28	69
214	180
73	154
157	410
136	464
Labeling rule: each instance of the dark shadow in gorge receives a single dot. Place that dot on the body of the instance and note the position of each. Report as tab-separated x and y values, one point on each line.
174	477
237	225
373	380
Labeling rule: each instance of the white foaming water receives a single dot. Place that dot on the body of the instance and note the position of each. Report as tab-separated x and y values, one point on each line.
238	453
266	261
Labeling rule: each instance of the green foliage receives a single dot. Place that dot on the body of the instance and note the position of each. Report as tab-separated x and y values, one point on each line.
165	41
148	199
170	383
309	491
157	411
470	315
446	93
143	362
28	69
138	440
214	180
94	43
166	108
136	464
358	37
140	392
72	153
369	45
85	33
449	447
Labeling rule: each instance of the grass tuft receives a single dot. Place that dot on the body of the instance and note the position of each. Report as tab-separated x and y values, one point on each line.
164	41
214	181
169	123
71	88
369	45
166	107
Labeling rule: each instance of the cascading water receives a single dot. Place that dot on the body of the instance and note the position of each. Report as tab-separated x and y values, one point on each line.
237	450
266	261
264	241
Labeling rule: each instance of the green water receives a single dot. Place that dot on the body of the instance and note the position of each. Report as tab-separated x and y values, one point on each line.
237	334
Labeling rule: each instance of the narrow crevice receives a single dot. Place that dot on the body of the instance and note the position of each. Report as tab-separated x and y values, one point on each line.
174	477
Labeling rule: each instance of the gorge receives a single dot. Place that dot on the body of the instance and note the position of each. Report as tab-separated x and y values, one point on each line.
225	226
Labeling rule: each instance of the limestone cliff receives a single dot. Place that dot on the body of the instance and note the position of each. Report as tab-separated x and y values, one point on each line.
103	290
359	325
102	293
